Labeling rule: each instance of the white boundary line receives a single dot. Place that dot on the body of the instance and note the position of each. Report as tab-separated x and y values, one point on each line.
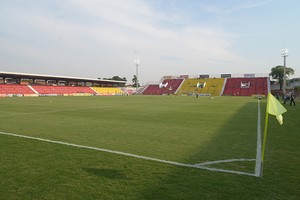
225	161
130	155
258	145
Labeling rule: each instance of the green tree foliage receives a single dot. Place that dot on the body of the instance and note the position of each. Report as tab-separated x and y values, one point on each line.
134	81
116	78
277	73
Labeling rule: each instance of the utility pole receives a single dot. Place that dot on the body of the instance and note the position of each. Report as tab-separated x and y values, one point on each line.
137	63
284	54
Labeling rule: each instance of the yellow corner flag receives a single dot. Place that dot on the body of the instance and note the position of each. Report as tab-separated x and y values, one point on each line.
275	108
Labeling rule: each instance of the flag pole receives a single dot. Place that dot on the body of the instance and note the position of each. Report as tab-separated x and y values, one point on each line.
264	143
275	108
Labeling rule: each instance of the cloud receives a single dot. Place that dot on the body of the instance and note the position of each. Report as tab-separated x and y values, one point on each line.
229	8
105	36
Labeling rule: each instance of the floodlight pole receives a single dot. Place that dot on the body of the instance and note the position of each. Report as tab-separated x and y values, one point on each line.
284	54
137	63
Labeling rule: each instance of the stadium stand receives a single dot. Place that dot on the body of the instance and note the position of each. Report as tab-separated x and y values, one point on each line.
15	89
151	90
128	90
35	90
166	87
109	91
62	90
207	86
24	84
246	86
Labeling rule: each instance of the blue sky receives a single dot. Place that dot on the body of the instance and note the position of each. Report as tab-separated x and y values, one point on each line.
101	38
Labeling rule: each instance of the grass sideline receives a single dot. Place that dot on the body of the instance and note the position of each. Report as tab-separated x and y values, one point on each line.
182	129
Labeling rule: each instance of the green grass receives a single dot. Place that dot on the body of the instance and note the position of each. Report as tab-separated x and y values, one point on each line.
181	129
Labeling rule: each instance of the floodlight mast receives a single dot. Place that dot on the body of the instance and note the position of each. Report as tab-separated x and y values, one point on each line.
137	63
284	54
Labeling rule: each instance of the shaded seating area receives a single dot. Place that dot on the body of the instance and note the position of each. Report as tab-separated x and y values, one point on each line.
15	89
108	91
44	90
206	86
62	90
246	86
166	87
24	84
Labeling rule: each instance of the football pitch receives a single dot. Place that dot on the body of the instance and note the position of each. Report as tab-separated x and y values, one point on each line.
145	147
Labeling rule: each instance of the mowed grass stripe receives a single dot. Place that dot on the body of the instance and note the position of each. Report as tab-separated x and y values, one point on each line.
36	170
198	166
182	129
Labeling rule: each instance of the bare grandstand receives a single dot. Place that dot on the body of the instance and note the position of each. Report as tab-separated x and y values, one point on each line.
211	85
22	84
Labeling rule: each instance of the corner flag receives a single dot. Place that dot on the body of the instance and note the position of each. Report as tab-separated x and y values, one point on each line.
275	108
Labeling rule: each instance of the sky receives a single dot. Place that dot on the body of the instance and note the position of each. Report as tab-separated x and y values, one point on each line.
102	38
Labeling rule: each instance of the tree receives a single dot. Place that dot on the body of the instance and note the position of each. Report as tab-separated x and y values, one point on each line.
134	81
115	78
277	73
